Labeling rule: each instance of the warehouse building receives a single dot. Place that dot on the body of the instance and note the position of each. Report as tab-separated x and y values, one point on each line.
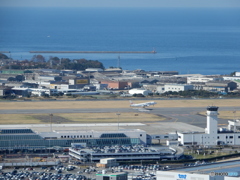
140	91
177	87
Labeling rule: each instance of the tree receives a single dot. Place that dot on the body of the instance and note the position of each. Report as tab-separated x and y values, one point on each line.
11	79
57	78
3	56
28	71
38	58
38	61
54	61
233	73
20	78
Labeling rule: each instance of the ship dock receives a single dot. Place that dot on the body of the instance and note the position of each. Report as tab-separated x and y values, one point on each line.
126	52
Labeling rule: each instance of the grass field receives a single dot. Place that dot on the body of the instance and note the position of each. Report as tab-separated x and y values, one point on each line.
78	118
115	104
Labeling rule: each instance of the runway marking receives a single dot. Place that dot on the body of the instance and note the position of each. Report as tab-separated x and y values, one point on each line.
222	124
192	121
143	110
70	125
180	114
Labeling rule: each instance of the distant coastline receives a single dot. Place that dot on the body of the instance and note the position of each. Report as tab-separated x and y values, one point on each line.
126	52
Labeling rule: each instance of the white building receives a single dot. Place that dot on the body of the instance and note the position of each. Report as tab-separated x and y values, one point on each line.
46	78
139	91
237	73
231	78
139	135
177	175
94	69
36	91
167	175
196	79
177	87
212	135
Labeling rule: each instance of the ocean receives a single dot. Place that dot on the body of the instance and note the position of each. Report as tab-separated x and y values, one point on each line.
187	40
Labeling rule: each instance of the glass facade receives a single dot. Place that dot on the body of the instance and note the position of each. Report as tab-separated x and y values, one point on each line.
23	139
15	131
112	135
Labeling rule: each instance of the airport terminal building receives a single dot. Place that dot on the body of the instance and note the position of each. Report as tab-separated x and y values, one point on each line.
20	139
124	144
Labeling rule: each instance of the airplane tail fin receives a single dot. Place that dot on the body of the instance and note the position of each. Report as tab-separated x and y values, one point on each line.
131	102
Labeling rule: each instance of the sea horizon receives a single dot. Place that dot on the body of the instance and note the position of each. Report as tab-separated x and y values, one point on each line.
195	40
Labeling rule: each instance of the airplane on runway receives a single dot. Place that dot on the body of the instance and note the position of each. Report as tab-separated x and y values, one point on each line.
146	104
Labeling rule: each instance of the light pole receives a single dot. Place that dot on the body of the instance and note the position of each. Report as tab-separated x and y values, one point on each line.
118	114
49	146
51	115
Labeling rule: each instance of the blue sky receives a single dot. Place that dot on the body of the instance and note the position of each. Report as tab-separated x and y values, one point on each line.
119	3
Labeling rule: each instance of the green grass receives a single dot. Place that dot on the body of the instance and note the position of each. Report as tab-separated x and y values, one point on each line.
207	156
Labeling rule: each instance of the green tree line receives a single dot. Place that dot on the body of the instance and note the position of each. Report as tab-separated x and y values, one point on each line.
39	61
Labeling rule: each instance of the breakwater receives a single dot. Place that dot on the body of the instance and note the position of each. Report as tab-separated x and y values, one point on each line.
126	52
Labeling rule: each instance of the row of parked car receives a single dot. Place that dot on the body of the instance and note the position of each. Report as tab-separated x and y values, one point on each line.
40	176
43	173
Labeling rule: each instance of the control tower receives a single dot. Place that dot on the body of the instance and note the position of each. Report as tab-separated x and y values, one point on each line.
212	120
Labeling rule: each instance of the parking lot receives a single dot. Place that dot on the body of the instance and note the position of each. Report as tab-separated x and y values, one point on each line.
74	172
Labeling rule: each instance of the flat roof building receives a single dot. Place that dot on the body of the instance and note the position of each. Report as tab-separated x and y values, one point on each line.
212	135
112	176
15	139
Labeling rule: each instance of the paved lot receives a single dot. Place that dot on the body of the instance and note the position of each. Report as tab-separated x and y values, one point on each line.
216	167
151	128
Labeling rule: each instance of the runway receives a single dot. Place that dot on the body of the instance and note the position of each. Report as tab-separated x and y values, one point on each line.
186	115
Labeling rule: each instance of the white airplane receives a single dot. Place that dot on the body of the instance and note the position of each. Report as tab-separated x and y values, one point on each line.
142	104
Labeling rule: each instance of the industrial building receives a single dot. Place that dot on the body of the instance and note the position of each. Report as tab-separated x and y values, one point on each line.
177	87
203	79
115	84
139	91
